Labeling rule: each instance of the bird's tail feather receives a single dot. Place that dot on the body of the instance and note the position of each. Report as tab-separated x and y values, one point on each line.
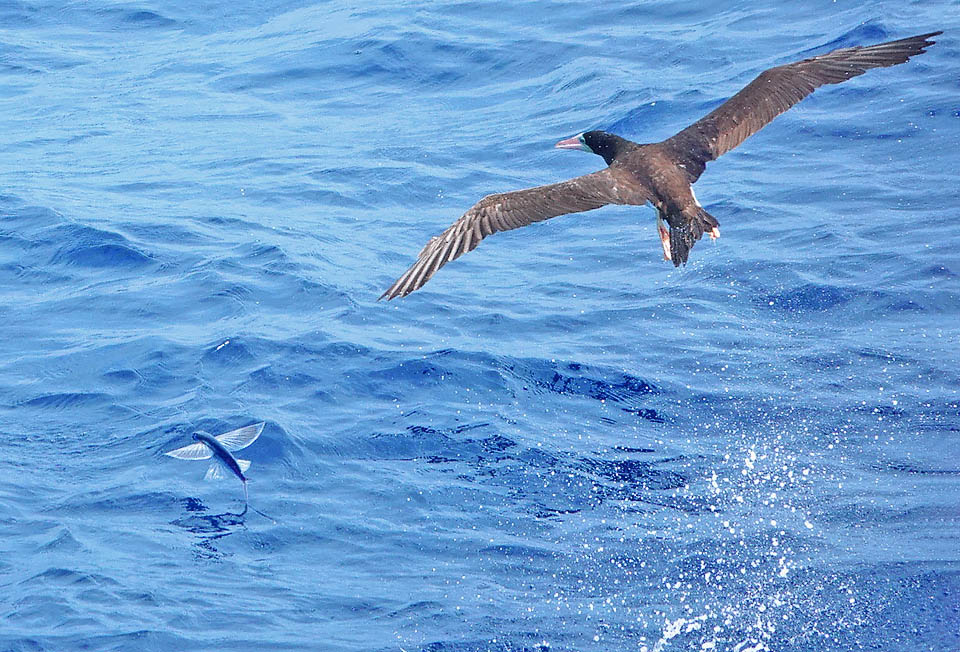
688	227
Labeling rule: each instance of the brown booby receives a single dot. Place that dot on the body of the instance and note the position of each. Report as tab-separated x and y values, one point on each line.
660	173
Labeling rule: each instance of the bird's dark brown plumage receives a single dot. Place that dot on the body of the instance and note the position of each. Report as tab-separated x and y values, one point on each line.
660	173
512	210
776	90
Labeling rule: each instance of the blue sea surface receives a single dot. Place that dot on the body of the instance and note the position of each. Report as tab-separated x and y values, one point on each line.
560	443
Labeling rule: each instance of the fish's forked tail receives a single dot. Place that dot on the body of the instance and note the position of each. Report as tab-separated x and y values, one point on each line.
247	505
686	227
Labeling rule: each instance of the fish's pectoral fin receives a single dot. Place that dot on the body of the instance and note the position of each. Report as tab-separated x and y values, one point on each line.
198	451
244	465
241	437
215	472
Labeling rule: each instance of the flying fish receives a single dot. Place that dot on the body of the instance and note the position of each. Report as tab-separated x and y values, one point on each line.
221	448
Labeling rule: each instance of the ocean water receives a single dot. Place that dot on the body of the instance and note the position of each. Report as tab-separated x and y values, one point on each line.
561	442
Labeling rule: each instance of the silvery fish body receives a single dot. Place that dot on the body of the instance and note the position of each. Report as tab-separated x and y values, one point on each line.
221	449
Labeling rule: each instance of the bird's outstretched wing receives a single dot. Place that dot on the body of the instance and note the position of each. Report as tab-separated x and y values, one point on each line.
512	210
775	91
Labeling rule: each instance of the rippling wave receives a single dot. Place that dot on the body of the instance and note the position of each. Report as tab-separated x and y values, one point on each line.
561	442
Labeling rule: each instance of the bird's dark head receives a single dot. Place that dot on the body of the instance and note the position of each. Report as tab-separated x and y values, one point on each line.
600	143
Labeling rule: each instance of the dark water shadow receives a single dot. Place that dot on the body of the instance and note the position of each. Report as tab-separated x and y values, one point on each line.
550	483
209	528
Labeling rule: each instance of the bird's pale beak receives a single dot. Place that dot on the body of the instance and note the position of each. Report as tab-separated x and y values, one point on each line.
570	143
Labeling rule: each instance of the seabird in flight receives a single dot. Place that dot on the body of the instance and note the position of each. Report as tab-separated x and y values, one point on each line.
660	173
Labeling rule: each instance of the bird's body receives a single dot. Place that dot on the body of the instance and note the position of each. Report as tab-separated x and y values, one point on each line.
659	173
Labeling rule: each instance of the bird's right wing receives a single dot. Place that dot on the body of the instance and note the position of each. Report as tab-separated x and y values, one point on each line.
776	90
512	210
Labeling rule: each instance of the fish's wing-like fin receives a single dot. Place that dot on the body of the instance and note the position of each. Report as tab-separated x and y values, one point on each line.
215	472
241	437
244	465
198	451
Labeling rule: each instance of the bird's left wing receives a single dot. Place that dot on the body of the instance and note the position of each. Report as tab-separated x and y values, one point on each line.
775	91
512	210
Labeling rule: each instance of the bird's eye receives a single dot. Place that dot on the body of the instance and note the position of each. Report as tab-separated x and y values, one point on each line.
583	141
